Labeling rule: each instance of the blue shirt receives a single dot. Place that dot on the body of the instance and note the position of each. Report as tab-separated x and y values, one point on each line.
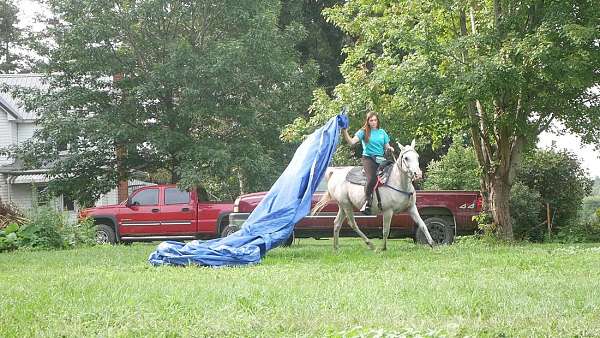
379	138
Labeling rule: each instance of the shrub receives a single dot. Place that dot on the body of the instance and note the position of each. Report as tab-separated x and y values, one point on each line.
50	229
585	230
591	205
8	237
525	209
560	180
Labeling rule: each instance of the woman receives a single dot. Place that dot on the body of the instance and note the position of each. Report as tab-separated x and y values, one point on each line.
375	141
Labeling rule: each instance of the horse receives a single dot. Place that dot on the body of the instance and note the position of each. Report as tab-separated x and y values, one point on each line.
397	195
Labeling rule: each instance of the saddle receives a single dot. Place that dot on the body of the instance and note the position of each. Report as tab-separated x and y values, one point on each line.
357	175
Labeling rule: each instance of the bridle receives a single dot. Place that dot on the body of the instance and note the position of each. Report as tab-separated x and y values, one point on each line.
401	168
403	162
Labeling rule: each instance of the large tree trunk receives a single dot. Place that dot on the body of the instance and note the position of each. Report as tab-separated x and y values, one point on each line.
499	192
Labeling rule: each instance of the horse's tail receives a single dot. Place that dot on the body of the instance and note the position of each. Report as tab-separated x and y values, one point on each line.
321	204
326	196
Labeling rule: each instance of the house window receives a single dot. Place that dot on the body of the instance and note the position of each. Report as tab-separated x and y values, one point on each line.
145	197
176	196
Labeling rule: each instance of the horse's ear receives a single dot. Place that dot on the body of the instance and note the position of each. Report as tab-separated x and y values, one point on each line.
400	147
412	144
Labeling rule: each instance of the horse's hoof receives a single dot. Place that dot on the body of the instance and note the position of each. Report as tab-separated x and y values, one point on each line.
371	246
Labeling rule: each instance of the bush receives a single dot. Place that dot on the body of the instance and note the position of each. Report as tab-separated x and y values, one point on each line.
581	231
590	207
525	209
457	170
49	229
8	237
560	180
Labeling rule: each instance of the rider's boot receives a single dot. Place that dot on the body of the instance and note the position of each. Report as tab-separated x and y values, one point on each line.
366	208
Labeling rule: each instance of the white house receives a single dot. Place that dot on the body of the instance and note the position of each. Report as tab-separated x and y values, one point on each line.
18	185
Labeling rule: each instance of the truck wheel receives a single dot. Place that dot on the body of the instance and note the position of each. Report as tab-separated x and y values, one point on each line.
290	240
441	231
105	234
228	230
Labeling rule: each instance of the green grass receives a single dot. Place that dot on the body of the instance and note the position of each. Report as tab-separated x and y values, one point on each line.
470	288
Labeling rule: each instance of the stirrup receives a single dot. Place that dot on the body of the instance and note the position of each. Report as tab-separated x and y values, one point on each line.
366	209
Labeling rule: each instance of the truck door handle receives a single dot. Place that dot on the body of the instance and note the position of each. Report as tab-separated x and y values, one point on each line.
185	209
155	210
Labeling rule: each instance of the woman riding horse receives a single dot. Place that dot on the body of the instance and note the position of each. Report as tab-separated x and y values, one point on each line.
375	141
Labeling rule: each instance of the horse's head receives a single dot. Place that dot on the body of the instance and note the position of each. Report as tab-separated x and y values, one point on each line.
408	161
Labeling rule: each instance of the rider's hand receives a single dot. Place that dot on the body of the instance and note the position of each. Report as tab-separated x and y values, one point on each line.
391	149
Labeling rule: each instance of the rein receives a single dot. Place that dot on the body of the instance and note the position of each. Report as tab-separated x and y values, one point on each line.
409	194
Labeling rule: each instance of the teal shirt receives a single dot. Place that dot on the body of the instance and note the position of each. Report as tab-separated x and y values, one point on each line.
379	138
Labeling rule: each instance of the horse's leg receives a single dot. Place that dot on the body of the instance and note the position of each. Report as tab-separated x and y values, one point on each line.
354	226
337	225
387	219
414	213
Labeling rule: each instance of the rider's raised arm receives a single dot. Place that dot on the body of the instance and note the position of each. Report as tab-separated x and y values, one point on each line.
351	140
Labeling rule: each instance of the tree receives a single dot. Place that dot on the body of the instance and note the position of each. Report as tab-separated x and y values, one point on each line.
457	170
560	180
195	89
501	70
16	54
324	41
10	34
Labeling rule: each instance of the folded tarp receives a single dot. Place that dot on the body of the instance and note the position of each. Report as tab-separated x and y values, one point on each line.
272	222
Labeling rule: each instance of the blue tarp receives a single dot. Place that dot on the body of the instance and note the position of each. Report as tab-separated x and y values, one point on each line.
272	222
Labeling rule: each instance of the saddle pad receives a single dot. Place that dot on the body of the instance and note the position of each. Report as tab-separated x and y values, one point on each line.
356	176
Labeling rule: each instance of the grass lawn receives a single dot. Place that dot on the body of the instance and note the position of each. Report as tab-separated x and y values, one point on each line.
470	288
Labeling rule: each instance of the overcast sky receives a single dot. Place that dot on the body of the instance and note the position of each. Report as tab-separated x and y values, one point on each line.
589	157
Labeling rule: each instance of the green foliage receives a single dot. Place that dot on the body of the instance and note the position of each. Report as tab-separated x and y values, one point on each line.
323	41
560	180
457	170
590	208
200	90
526	210
8	237
581	231
50	229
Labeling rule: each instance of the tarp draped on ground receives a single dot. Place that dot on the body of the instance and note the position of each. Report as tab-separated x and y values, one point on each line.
272	222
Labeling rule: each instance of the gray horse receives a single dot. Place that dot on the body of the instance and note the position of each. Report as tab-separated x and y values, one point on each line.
397	195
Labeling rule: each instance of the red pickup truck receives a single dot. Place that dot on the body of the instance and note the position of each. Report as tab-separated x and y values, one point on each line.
160	212
446	214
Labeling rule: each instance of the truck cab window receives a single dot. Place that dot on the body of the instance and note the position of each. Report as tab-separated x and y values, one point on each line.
145	197
176	196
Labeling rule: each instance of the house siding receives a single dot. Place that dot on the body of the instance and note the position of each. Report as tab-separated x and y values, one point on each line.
5	135
4	188
25	131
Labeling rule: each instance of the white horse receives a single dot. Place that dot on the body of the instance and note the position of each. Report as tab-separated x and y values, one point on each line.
397	195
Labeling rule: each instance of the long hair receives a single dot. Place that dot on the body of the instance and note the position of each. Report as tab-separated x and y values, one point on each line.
367	128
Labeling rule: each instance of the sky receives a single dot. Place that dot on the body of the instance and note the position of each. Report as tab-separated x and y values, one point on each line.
589	157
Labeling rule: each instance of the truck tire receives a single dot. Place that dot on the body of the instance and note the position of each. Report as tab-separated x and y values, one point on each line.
228	230
105	234
440	229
